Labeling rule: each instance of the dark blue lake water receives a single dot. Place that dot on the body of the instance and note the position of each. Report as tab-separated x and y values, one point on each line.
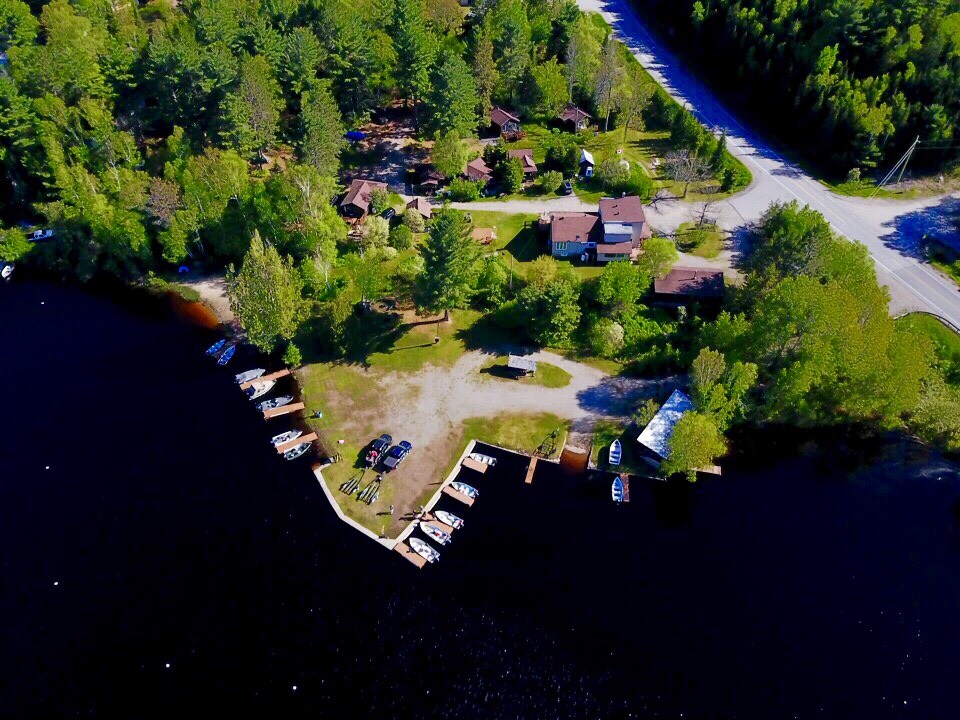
158	560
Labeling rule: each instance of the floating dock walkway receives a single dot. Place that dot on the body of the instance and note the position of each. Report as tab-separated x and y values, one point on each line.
264	378
282	410
291	444
407	552
471	464
457	495
531	468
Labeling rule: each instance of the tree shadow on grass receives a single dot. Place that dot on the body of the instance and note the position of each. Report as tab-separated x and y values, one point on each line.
525	245
365	333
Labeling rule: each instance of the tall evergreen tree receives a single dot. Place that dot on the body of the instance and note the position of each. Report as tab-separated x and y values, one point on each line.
453	100
450	257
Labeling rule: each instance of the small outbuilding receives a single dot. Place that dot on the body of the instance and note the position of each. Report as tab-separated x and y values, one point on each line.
521	366
483	235
574	119
477	169
421	206
526	159
655	437
587	164
689	283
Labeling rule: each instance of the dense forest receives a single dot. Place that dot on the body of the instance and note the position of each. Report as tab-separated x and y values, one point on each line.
848	83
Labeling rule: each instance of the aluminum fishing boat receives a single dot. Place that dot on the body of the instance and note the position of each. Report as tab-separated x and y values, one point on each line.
449	519
285	437
468	490
435	534
296	452
616	491
260	389
616	453
249	375
423	549
275	402
485	459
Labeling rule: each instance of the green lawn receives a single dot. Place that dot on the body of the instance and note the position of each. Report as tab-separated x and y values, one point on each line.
950	268
710	249
526	433
547	375
604	433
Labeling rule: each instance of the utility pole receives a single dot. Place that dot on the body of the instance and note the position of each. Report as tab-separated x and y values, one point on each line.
901	166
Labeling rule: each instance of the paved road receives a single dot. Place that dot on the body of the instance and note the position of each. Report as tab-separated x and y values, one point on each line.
889	229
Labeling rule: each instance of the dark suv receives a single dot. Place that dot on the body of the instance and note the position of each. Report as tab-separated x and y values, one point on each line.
377	448
396	455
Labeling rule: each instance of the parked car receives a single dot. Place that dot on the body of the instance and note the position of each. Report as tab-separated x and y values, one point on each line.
396	455
567	188
388	213
377	448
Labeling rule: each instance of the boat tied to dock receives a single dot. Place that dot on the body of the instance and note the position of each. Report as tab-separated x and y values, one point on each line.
435	533
423	549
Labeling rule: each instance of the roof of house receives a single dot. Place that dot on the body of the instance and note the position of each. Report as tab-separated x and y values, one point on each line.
360	191
483	234
479	167
574	114
499	116
421	206
575	227
656	435
526	157
620	248
515	362
691	282
627	209
586	156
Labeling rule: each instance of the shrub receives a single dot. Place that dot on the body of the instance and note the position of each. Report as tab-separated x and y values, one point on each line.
463	190
606	338
292	355
401	238
414	220
562	153
379	201
374	232
513	175
613	174
550	181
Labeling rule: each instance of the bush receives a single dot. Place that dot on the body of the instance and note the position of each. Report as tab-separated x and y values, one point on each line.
414	220
379	201
613	174
463	190
513	175
292	355
606	338
401	238
562	153
550	181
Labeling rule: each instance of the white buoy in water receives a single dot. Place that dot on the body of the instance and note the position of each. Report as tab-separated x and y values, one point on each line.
56	582
167	665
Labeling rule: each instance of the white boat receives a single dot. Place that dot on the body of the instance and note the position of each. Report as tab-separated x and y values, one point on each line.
449	519
275	402
435	533
485	459
294	453
424	550
260	389
6	272
468	490
249	375
616	453
285	437
616	490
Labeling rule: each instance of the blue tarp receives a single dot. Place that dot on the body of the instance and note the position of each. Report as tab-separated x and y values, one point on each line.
355	135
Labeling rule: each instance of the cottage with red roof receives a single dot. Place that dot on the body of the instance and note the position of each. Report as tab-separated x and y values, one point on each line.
616	233
526	159
356	203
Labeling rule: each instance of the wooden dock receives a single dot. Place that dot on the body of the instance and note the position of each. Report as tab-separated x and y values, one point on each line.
264	378
469	462
291	444
457	495
530	470
409	554
625	479
283	410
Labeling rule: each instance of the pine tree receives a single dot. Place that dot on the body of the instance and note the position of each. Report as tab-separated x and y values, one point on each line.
484	69
450	257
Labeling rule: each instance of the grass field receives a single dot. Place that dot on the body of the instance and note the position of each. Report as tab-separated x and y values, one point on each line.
547	375
710	249
525	433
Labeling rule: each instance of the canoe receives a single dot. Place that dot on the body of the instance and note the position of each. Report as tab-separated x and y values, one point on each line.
423	549
249	375
616	453
227	355
449	519
435	533
467	490
616	491
216	347
260	389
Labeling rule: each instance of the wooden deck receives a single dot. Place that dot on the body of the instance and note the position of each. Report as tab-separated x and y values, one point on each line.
530	470
291	444
282	410
469	462
457	495
264	378
407	552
